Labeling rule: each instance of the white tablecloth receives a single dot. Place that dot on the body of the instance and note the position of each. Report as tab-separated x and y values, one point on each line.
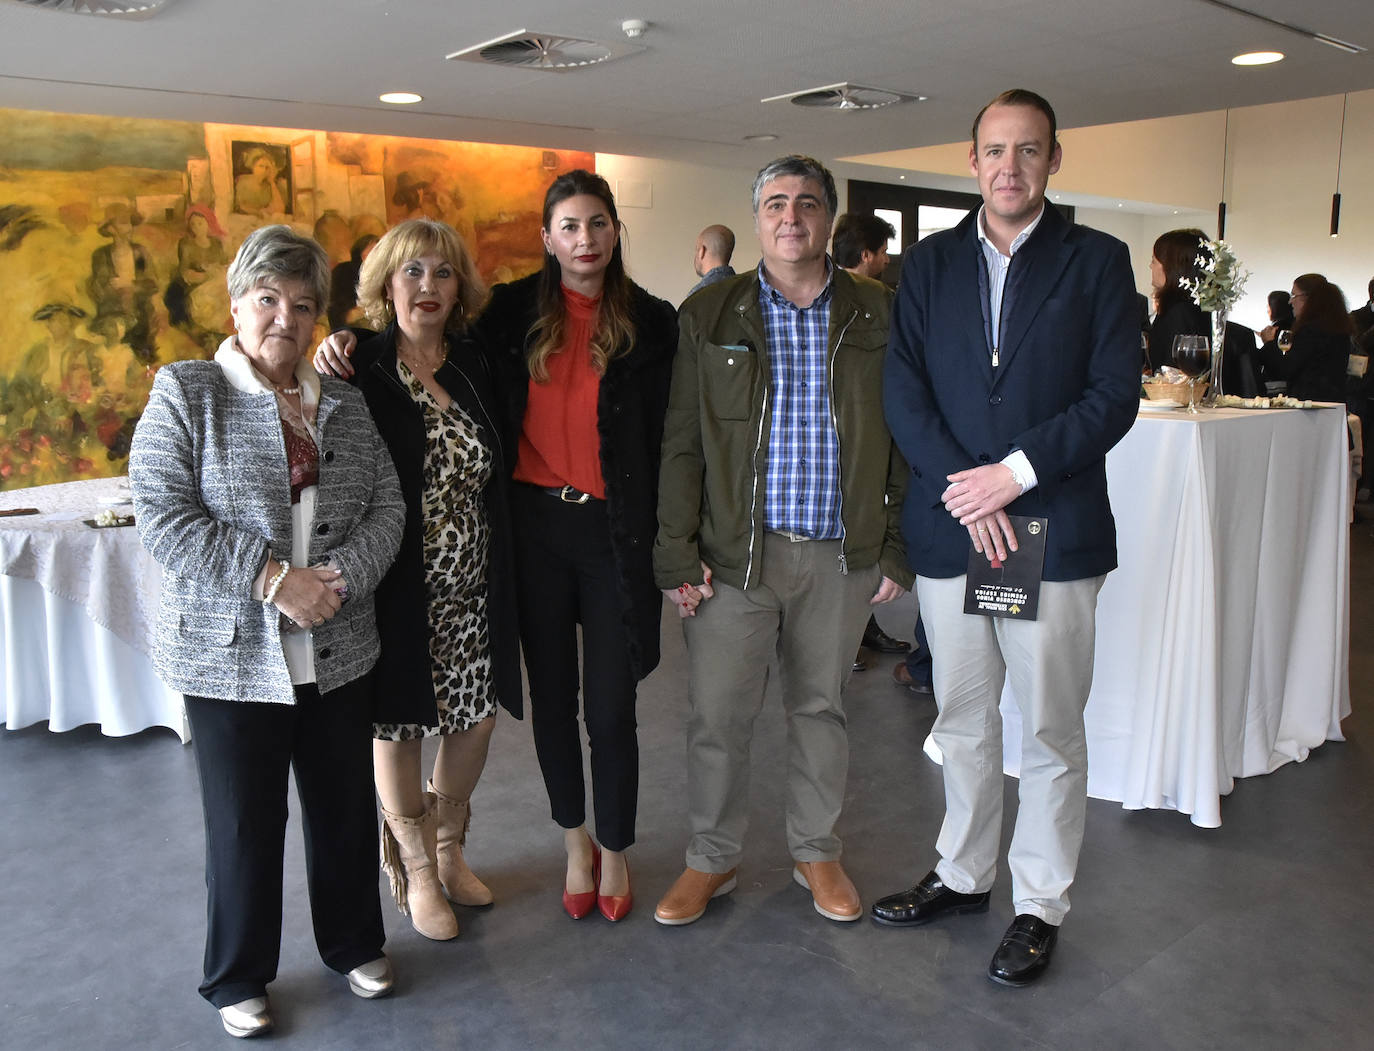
77	607
1222	639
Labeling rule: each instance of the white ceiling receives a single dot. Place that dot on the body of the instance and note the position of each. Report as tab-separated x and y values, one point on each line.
693	92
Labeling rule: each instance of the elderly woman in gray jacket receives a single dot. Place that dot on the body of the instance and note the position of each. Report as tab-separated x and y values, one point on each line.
269	499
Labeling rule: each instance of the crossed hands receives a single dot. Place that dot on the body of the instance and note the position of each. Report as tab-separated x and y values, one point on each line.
976	499
309	597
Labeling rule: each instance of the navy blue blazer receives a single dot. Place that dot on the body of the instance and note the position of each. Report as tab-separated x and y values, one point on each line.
1064	392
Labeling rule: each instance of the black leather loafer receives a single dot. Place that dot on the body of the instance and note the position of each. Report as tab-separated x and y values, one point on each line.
1025	951
880	641
928	900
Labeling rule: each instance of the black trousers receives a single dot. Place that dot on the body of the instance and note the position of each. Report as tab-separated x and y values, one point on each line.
243	752
566	577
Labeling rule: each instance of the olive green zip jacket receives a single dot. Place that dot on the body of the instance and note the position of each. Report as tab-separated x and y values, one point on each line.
715	439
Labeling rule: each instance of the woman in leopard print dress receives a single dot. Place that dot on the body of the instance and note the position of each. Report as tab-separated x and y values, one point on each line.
445	613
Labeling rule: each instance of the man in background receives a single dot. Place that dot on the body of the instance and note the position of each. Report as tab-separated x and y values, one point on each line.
1363	317
715	246
859	245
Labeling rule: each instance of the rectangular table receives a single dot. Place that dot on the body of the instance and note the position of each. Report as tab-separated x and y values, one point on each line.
1222	639
77	607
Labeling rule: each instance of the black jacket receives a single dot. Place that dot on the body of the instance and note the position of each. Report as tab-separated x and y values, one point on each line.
1314	366
1240	367
405	688
631	403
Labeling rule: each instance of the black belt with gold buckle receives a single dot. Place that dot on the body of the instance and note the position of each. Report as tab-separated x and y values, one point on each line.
569	495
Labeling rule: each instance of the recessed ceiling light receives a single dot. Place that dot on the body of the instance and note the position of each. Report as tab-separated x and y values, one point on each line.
901	176
1257	58
400	98
766	136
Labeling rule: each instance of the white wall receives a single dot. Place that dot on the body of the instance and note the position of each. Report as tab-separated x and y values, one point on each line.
660	239
1280	174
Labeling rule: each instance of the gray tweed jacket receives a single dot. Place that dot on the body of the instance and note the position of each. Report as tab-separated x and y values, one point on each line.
212	496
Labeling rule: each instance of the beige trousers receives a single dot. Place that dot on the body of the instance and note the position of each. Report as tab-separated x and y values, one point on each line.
1050	664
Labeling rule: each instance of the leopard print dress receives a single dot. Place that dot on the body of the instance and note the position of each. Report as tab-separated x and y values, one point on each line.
458	464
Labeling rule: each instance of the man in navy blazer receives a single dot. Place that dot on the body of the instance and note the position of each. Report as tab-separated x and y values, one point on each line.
1013	366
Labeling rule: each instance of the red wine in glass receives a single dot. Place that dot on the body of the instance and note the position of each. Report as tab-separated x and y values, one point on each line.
1192	355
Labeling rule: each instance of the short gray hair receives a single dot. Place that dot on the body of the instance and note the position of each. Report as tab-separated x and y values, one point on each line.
279	252
807	168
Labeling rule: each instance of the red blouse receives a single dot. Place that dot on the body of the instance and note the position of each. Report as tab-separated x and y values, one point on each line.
559	444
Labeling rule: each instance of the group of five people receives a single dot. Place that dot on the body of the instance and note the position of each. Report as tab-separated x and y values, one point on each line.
345	560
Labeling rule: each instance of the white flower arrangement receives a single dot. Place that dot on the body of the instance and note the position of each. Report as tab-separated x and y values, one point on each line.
1222	281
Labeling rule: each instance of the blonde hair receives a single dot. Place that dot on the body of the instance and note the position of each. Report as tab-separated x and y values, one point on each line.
411	240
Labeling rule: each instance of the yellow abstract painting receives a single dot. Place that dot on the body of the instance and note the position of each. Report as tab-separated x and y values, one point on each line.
115	235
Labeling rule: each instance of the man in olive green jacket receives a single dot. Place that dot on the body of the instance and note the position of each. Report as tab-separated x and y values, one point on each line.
779	503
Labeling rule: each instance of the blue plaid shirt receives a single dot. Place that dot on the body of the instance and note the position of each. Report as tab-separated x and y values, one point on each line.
802	484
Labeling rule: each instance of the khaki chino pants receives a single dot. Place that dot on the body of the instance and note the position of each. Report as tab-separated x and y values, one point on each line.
810	617
1050	663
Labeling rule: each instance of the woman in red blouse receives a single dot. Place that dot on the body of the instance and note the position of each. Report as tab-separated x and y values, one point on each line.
584	357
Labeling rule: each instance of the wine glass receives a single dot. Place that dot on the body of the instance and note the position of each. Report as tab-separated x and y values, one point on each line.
1193	358
1285	341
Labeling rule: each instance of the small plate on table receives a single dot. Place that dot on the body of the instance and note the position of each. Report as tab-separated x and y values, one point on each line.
120	522
1146	405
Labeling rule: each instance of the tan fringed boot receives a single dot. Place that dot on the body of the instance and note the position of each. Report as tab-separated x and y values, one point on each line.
408	850
460	883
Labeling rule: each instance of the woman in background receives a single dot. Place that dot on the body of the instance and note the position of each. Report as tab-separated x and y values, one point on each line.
1315	365
1174	256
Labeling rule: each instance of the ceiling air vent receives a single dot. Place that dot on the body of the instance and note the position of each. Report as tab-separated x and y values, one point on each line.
549	52
845	96
117	8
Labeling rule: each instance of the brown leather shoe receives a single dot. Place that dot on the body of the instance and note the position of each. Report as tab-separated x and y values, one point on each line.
831	890
687	899
901	675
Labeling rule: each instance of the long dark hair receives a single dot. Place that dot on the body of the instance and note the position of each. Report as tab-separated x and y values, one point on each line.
1325	307
1177	252
615	332
1280	309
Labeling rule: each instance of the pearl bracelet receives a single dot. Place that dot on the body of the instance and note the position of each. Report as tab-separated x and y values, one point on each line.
274	585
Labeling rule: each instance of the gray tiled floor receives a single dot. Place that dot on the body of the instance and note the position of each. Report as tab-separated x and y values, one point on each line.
1255	935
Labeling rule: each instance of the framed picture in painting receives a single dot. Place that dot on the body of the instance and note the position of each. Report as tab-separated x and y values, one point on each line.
262	178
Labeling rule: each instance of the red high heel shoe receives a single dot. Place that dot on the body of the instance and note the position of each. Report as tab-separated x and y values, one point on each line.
615	907
579	905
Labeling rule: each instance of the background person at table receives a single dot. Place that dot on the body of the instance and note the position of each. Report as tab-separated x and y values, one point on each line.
1363	317
778	531
1175	256
446	610
1013	368
1314	367
584	357
270	501
1280	307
